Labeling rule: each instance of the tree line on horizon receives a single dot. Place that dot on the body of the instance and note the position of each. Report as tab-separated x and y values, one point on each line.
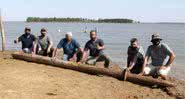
68	19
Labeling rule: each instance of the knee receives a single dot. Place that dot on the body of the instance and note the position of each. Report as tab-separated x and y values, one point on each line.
164	72
26	50
147	70
106	58
90	62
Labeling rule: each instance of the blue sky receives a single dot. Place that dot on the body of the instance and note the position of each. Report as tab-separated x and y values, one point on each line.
140	10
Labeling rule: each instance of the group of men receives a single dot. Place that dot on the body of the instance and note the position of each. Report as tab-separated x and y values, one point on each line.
161	58
42	45
137	62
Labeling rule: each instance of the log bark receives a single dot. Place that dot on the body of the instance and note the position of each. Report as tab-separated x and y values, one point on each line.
146	80
121	74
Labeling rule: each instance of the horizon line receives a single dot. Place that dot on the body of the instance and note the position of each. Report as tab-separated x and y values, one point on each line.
92	22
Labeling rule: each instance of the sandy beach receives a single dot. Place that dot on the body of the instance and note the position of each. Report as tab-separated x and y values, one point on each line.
25	80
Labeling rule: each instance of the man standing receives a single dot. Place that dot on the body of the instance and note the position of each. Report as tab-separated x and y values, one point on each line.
44	44
135	57
71	48
96	47
161	58
28	41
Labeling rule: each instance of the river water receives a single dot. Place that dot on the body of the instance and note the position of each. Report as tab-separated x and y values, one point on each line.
115	36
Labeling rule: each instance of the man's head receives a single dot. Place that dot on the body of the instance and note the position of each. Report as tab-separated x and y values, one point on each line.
27	30
69	36
93	34
134	43
156	39
43	32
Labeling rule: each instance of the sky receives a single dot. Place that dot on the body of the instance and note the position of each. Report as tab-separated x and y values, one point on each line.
138	10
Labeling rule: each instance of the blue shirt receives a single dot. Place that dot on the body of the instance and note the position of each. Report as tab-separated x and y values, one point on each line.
69	47
92	46
159	55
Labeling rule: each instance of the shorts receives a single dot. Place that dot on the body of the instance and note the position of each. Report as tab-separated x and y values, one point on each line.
155	70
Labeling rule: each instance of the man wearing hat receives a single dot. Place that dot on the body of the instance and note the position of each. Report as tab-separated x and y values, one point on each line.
161	58
44	44
71	48
28	41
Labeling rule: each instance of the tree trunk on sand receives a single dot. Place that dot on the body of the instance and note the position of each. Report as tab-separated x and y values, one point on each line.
121	74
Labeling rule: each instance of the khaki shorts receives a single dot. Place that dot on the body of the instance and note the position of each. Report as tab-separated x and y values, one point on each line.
152	70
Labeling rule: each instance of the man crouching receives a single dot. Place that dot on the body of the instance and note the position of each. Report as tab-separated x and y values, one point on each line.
71	48
161	58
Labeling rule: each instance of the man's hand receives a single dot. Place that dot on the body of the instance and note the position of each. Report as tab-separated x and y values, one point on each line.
78	63
99	47
33	54
141	74
163	67
15	41
73	58
48	50
128	69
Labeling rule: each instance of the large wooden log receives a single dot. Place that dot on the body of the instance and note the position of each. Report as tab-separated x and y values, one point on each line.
146	80
120	74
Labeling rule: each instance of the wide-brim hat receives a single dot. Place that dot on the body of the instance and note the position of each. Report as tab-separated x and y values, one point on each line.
156	36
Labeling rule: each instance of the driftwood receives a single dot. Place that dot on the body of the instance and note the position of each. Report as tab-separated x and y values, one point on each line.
121	74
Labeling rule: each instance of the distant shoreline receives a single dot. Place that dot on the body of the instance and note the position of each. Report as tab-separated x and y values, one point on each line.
102	22
81	20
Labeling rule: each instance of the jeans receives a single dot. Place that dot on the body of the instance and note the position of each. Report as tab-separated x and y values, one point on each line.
77	58
92	60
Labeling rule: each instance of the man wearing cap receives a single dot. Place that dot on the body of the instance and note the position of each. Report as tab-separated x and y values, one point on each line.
71	48
44	44
28	41
95	47
135	57
161	58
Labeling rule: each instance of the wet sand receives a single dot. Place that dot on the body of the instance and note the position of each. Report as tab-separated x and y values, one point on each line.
25	80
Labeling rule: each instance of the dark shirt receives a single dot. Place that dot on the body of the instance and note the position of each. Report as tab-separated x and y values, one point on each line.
137	56
69	47
27	40
92	46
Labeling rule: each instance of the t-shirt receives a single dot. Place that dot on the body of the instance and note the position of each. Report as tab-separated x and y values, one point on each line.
137	54
132	53
43	42
92	46
27	40
159	55
69	47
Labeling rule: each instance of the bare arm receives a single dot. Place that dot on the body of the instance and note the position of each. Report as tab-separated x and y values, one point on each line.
34	47
132	63
55	52
145	63
49	47
84	56
171	59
